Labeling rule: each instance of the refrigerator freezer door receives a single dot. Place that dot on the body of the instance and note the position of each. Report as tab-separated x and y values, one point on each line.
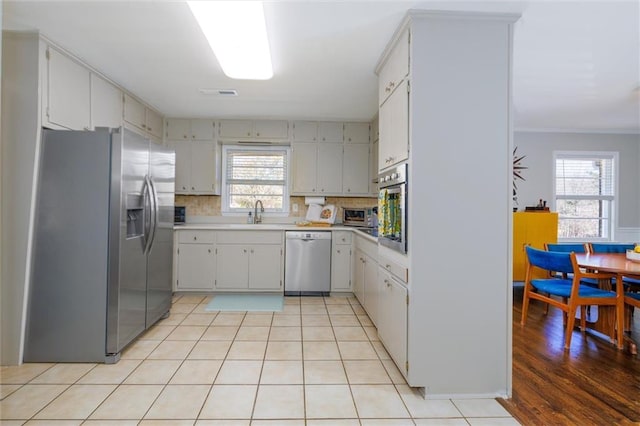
128	268
160	255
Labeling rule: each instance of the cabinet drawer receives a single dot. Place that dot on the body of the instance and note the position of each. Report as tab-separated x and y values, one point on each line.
196	237
250	237
399	271
341	237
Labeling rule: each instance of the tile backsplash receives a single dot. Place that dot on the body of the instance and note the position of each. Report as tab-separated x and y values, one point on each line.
210	205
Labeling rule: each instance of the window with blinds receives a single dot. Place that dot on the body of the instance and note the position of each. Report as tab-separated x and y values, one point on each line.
256	173
585	195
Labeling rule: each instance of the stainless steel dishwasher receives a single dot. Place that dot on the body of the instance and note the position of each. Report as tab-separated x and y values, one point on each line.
307	263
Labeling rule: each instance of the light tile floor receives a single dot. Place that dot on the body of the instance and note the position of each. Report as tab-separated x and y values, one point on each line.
317	363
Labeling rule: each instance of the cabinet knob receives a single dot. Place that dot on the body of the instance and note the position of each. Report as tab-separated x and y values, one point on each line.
313	190
322	190
192	136
257	134
209	250
245	250
338	251
184	136
193	188
195	238
348	189
251	250
344	239
248	133
324	139
184	187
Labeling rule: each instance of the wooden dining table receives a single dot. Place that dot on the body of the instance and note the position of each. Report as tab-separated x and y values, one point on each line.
613	263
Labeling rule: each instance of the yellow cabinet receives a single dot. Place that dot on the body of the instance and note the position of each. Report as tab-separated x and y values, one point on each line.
532	229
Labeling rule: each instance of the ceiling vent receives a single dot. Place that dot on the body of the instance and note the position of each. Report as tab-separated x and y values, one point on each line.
219	92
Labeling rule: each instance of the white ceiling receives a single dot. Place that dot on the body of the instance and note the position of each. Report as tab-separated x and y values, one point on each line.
576	63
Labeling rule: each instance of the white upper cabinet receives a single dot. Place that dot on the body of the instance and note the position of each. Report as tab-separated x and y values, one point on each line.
355	170
395	69
142	118
394	128
68	93
331	132
356	133
305	131
134	113
254	129
185	129
305	165
329	173
197	166
202	129
106	103
271	129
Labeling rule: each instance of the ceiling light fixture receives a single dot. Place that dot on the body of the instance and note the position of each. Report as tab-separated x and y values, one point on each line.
237	33
219	92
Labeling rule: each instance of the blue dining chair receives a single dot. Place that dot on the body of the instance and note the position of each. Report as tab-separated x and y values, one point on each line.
568	248
572	293
616	248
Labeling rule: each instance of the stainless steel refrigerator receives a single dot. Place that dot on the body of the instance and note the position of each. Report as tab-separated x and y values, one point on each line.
102	244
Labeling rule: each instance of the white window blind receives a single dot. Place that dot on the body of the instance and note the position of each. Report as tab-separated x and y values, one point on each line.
585	195
252	174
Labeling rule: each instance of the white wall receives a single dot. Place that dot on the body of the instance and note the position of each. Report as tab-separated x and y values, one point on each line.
20	136
459	207
538	148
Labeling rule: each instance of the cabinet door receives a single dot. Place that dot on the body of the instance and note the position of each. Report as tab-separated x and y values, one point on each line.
177	129
358	276
356	133
329	131
236	129
271	129
305	131
265	267
395	68
153	123
134	112
392	319
304	159
355	169
394	128
341	268
196	267
202	130
232	266
329	173
203	167
371	288
183	166
69	94
106	103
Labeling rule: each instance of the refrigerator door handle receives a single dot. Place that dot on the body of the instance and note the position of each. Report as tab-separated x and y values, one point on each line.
154	223
146	190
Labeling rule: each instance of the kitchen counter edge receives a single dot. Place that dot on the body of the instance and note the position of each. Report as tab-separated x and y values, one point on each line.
268	227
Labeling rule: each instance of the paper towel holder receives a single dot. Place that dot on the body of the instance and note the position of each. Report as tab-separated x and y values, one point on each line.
314	200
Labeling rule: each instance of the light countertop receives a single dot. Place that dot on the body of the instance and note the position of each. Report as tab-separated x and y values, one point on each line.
269	227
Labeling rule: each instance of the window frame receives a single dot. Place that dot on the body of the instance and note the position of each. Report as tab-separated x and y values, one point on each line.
226	210
613	199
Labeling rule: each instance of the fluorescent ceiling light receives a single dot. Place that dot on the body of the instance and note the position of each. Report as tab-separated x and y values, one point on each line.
237	33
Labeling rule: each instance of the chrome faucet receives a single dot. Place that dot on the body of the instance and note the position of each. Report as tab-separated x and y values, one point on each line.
258	218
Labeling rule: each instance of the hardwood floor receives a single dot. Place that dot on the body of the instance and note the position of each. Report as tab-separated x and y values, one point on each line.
592	384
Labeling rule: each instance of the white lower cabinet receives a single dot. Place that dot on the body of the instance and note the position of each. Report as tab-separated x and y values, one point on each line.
341	261
365	284
371	289
196	264
392	317
248	260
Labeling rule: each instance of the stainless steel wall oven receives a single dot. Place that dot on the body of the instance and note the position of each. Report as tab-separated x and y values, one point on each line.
392	208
